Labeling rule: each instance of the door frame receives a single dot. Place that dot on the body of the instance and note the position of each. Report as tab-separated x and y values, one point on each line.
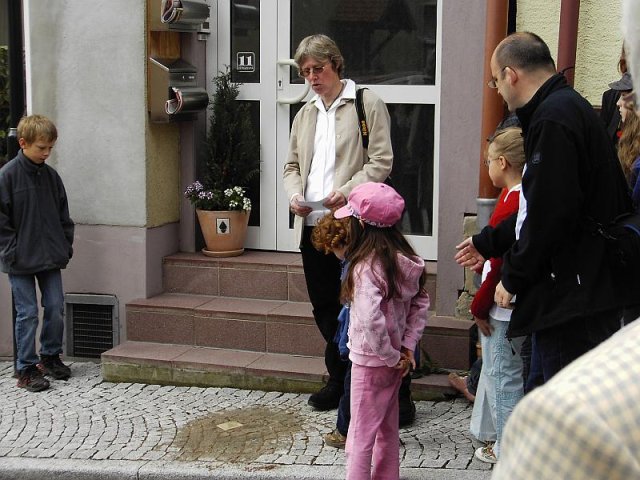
275	22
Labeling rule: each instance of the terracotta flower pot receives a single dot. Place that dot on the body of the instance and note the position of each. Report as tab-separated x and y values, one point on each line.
224	231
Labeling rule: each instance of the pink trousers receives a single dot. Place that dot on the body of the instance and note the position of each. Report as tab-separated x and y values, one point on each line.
373	429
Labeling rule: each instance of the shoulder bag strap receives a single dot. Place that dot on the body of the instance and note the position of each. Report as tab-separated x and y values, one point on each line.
362	118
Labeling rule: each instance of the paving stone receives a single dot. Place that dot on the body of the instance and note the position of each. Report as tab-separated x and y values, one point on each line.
86	418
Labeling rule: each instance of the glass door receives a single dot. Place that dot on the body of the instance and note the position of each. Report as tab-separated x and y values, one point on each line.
391	47
246	44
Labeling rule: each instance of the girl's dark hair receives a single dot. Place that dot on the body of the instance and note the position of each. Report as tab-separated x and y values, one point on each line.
384	244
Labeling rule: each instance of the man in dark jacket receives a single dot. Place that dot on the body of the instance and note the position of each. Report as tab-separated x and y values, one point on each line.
36	237
553	263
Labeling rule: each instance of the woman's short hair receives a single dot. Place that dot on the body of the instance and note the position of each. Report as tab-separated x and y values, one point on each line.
321	48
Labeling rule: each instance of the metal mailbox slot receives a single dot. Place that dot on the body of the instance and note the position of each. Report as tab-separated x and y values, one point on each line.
173	91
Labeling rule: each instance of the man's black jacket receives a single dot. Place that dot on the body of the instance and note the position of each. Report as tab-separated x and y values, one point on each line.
558	267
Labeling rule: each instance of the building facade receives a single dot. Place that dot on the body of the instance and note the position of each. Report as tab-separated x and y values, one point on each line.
87	66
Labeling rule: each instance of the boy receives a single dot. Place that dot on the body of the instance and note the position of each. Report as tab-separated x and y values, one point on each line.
36	236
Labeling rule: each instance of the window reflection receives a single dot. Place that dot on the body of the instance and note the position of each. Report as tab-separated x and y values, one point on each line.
412	137
391	42
245	41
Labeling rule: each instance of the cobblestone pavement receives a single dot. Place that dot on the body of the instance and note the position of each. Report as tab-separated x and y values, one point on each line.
211	429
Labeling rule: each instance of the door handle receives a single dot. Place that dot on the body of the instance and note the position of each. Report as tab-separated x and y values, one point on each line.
291	100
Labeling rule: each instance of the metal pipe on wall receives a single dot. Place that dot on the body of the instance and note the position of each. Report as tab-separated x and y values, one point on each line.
568	38
492	105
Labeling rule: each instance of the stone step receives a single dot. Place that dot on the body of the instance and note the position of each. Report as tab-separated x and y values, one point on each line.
171	364
255	274
266	326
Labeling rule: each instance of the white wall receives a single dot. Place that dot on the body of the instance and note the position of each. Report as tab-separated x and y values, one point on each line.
86	71
599	40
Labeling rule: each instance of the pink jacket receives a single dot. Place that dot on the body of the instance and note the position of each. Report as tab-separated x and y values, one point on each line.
378	327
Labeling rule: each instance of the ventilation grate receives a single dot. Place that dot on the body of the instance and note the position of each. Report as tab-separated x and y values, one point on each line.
91	324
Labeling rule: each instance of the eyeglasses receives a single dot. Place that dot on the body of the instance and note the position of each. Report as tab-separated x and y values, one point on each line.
305	72
487	161
493	82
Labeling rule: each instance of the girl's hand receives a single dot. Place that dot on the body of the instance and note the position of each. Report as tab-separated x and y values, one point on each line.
484	326
408	354
404	365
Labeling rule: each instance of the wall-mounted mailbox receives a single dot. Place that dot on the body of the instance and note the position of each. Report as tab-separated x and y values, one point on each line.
173	91
179	15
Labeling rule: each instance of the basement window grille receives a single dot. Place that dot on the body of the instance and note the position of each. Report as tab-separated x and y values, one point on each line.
91	324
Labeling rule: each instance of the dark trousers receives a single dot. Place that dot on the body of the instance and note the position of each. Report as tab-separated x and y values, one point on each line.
322	274
558	346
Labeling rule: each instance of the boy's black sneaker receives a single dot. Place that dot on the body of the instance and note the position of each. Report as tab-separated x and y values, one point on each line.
31	379
52	366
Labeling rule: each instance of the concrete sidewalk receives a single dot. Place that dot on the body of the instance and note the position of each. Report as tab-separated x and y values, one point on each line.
89	429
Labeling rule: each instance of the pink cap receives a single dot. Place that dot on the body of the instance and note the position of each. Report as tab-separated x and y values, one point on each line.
377	204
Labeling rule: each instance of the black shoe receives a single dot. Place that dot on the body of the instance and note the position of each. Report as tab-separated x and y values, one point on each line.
407	411
31	379
52	366
327	398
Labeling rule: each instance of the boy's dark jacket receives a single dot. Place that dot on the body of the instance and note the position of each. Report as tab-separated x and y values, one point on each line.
36	232
558	268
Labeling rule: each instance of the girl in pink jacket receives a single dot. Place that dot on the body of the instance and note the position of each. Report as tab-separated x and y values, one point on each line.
388	310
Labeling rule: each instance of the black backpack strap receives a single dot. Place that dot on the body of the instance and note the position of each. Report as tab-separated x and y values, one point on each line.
362	118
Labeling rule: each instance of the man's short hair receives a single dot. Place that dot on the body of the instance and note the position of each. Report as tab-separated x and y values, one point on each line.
37	127
526	51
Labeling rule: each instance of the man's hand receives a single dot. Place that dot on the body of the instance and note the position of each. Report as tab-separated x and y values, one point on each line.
484	326
467	255
335	200
297	208
502	297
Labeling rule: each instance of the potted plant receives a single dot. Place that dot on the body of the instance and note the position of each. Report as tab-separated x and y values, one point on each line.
232	160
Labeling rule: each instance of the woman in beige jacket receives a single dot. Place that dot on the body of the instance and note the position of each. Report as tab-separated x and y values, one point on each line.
326	160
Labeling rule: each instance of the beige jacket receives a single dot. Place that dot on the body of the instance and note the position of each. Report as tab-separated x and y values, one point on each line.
354	164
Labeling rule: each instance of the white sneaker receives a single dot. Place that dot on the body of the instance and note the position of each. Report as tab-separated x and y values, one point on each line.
486	455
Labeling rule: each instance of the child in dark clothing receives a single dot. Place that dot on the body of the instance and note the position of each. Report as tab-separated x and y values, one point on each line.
330	235
36	237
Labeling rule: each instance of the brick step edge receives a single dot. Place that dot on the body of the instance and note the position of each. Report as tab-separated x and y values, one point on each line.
184	365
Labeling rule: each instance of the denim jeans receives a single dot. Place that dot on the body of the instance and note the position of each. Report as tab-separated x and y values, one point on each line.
26	303
344	408
501	385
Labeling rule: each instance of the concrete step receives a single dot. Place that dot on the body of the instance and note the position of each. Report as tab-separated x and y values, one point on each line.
268	326
255	274
171	364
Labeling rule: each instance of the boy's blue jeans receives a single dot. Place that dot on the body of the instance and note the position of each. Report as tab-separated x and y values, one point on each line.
26	303
344	407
